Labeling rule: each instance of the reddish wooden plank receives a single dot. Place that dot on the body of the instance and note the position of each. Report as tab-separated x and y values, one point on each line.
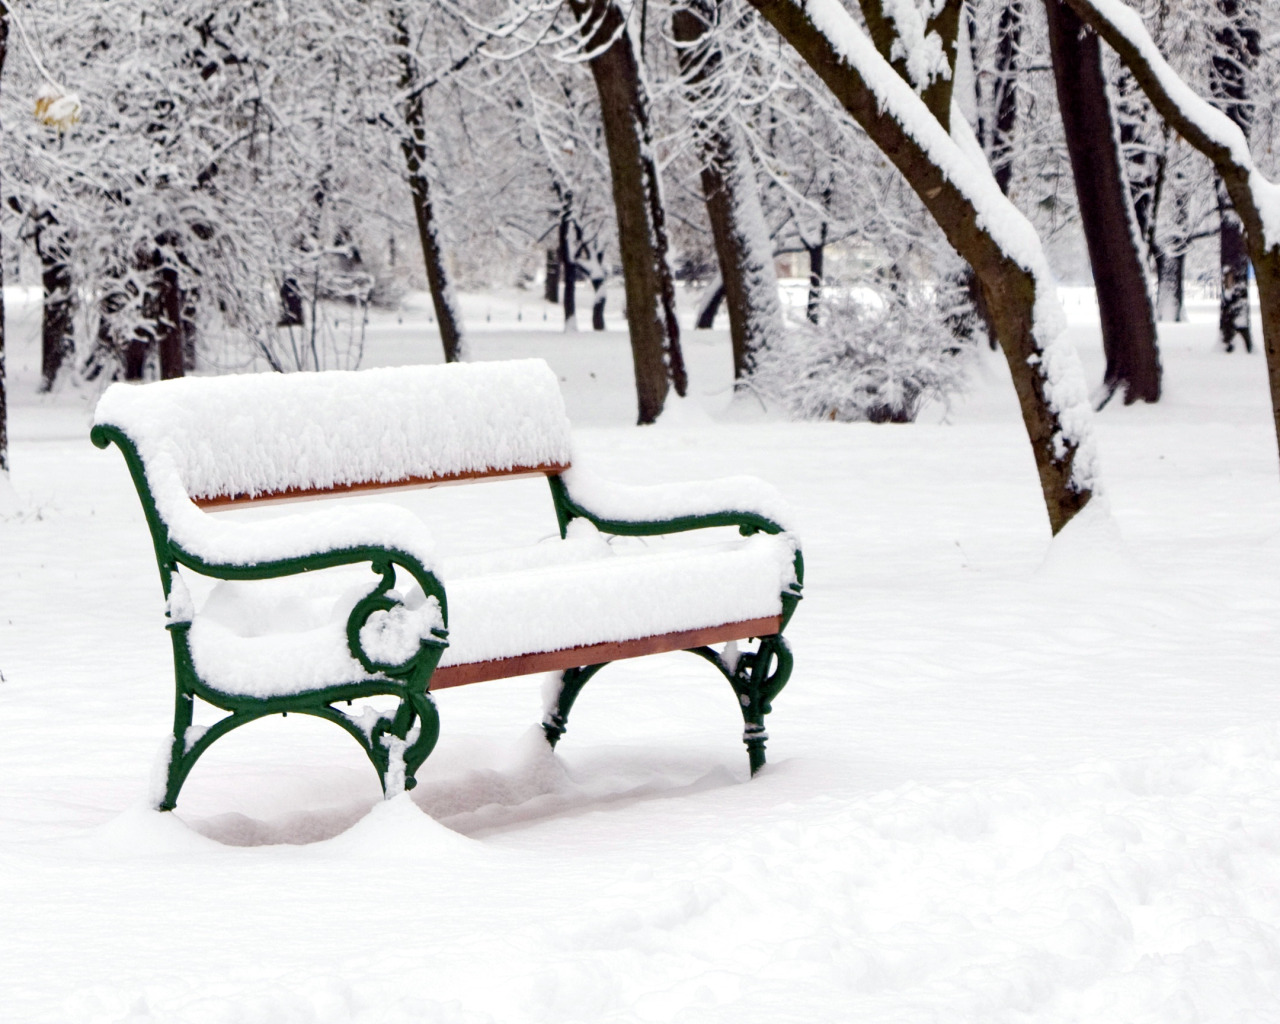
595	654
309	493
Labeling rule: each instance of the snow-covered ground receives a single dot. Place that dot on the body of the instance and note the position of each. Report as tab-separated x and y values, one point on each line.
1010	780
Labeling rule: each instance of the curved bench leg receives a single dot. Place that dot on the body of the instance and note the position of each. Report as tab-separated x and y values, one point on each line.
572	680
408	741
756	677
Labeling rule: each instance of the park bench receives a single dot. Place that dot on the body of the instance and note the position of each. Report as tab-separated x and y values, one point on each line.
269	638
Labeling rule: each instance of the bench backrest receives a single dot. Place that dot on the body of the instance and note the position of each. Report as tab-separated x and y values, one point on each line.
273	436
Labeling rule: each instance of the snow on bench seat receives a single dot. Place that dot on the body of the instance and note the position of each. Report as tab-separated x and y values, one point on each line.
271	638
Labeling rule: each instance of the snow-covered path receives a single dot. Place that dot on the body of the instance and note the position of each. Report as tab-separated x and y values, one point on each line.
1001	787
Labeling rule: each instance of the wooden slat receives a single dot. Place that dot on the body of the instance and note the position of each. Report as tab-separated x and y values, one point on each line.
312	493
595	654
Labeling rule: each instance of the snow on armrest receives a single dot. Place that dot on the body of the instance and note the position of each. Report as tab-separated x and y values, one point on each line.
747	495
221	542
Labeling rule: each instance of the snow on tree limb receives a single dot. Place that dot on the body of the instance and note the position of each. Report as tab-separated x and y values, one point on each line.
981	224
1193	117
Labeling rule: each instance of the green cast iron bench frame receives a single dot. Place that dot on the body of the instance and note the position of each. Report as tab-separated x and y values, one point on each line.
399	742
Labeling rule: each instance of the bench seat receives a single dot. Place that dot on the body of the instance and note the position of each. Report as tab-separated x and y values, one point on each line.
279	637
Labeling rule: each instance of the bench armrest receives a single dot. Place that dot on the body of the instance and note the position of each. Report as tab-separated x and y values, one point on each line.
231	549
384	535
630	510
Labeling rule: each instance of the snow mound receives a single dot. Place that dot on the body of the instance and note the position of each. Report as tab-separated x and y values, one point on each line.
1090	550
397	828
142	831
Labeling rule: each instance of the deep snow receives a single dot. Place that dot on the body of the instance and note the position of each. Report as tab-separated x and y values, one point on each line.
1009	781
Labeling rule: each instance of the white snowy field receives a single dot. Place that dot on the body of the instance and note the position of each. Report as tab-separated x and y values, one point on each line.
1010	780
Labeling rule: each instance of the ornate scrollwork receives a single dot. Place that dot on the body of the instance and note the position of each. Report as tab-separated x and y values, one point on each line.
382	599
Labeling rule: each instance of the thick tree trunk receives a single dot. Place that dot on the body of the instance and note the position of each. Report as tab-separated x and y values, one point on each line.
56	327
1056	422
732	198
1128	323
414	146
637	198
1226	147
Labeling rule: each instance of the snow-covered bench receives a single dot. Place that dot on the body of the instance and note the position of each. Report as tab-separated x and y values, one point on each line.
270	636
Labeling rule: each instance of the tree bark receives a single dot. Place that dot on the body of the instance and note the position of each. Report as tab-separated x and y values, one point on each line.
56	326
4	406
169	334
1128	323
413	144
709	307
567	263
1211	134
551	286
1233	260
637	198
817	257
1005	94
1010	289
1170	300
1238	48
732	198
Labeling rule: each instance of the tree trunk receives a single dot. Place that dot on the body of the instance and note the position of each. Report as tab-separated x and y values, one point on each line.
597	306
4	405
414	146
709	307
816	259
1005	93
169	334
570	268
1170	301
1233	258
56	327
637	198
749	281
551	287
291	313
1219	139
1128	324
1236	53
1050	392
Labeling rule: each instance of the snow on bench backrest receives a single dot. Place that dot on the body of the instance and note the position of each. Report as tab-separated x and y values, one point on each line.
241	437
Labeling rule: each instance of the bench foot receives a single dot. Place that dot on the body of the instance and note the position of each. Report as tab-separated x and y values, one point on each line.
556	718
756	677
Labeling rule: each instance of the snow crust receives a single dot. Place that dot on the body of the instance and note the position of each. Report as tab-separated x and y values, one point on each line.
254	433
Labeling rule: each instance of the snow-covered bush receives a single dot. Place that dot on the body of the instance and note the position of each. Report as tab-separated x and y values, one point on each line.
876	353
